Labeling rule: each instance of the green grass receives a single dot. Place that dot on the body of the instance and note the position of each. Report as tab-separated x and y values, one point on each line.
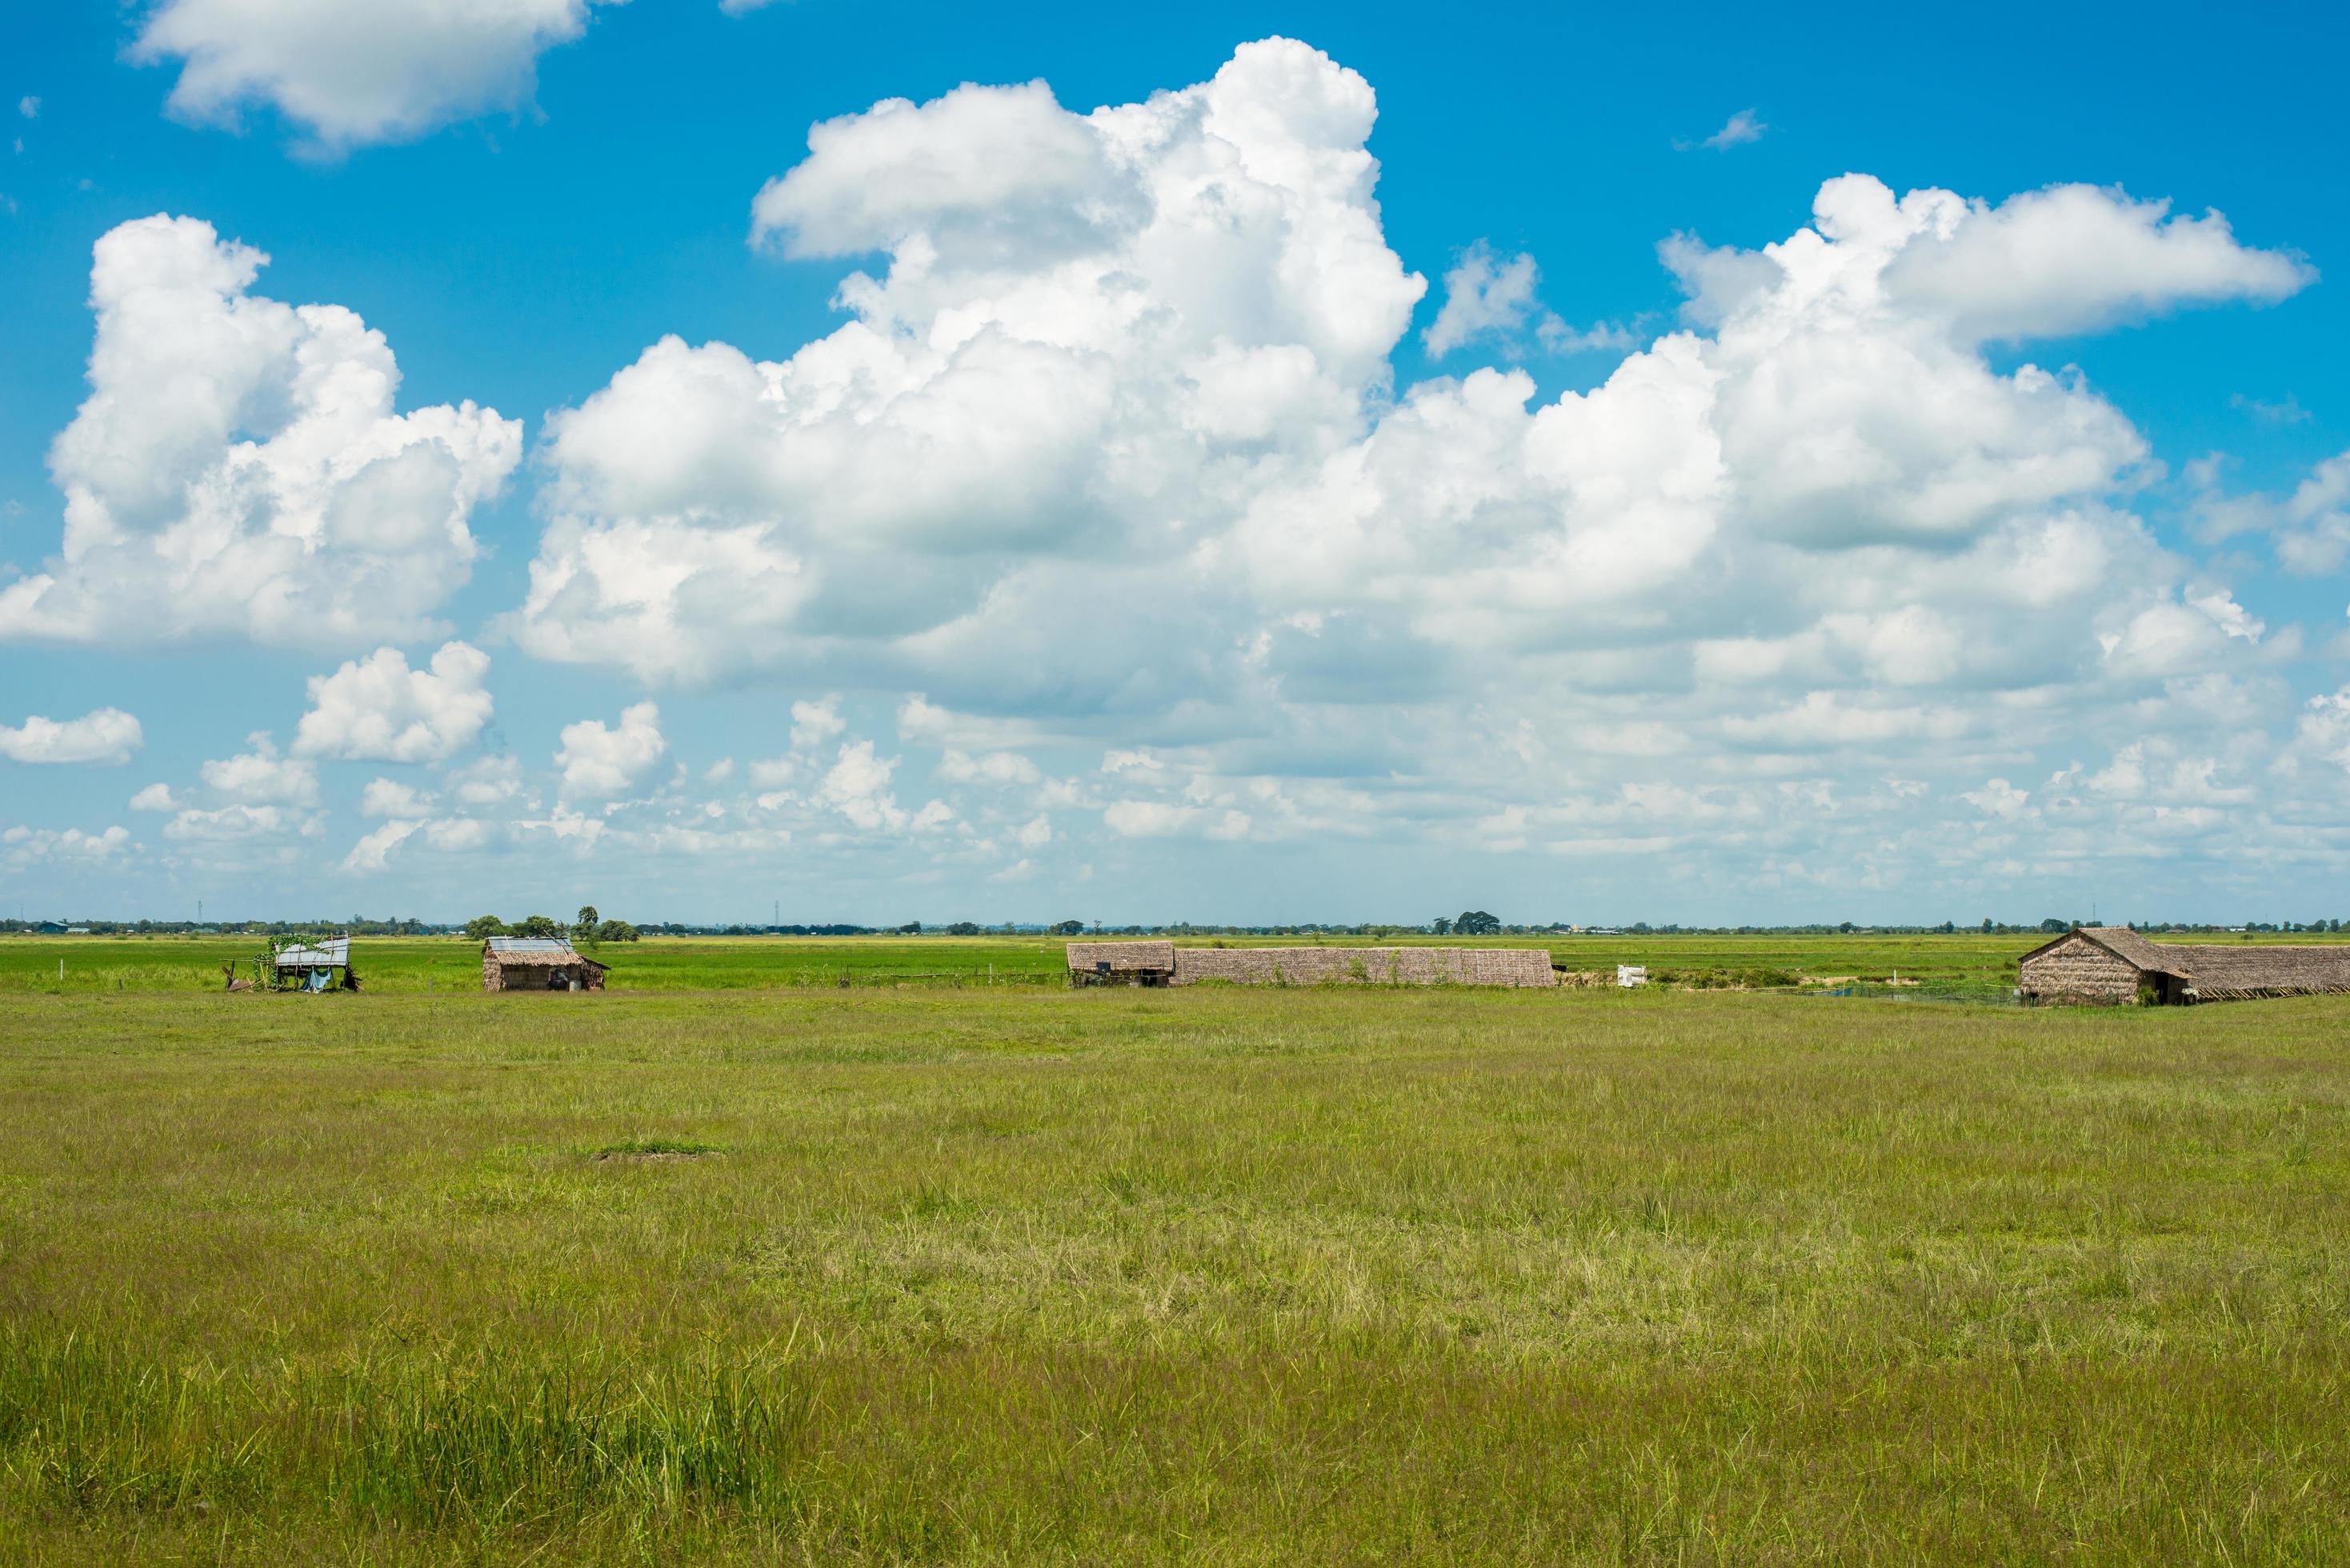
1962	966
1218	1276
451	964
1968	963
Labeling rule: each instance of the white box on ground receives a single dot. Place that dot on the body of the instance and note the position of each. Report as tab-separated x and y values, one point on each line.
1631	974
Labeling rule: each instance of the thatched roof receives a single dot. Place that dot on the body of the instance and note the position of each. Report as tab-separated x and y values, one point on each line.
2223	969
2124	944
536	952
2220	971
1123	958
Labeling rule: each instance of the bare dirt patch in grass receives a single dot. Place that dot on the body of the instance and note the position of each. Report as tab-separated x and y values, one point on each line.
652	1151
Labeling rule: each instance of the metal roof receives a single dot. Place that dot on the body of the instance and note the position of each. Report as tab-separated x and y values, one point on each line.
533	947
332	954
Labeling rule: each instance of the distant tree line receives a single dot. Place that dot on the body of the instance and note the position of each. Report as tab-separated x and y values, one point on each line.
586	930
1469	923
357	925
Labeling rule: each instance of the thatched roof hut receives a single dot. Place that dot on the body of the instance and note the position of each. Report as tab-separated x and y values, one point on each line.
2114	963
538	963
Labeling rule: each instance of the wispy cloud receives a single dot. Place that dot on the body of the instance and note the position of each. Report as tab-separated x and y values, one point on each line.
1600	337
1739	129
1487	297
2288	413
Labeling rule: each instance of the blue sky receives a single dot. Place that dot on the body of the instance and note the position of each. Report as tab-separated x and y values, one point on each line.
1200	521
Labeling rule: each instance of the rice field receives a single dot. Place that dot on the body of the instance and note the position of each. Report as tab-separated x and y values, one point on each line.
897	1272
1964	963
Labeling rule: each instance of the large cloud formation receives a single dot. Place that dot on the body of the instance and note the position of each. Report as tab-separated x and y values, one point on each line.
1155	337
1111	443
238	468
1094	334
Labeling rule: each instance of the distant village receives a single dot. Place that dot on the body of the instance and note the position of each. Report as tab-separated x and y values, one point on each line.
2076	963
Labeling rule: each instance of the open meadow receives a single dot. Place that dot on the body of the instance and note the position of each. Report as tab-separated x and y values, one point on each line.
1967	963
948	1274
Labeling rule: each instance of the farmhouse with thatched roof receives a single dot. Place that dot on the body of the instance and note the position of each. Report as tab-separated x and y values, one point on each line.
2114	963
538	963
1164	964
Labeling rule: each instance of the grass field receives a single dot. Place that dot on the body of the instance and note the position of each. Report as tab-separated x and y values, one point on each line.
1964	963
1967	966
951	1275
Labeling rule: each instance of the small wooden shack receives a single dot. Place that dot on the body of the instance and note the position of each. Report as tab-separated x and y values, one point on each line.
313	966
538	963
2116	964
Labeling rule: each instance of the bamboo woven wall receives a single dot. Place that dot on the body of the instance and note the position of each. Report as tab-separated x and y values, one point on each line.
2078	970
532	977
1514	967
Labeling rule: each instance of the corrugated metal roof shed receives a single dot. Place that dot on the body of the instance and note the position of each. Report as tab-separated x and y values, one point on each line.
524	949
333	954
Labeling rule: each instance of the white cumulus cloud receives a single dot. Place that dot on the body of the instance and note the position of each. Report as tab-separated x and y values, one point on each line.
374	850
356	74
600	762
1483	296
857	786
814	723
106	735
1091	324
394	798
238	468
378	709
31	846
1110	457
261	775
2070	258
